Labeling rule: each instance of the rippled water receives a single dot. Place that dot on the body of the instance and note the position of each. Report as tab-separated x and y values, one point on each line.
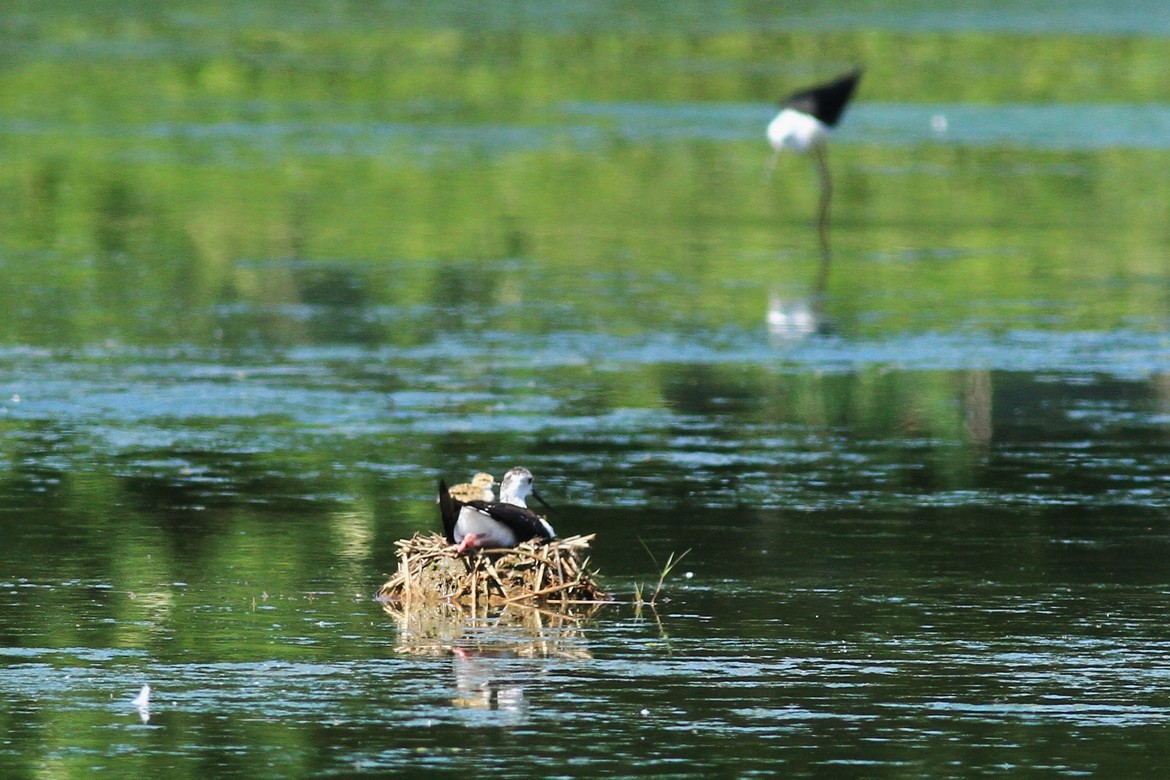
920	490
859	651
859	595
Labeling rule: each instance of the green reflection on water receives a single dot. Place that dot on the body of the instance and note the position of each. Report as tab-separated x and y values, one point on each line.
182	152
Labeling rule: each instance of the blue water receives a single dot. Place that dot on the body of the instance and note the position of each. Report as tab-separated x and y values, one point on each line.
1051	17
592	126
1064	127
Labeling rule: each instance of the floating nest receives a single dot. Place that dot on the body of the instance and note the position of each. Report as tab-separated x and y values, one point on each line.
550	574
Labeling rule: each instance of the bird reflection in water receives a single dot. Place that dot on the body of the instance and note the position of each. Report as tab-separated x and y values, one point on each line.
792	319
485	680
492	652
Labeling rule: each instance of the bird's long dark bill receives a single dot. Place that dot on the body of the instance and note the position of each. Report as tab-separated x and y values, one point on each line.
541	500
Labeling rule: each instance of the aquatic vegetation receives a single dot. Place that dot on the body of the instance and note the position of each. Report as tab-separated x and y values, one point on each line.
664	571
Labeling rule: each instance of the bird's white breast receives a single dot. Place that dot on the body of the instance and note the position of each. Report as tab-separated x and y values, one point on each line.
491	532
792	129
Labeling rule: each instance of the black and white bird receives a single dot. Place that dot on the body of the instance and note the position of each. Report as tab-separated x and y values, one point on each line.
806	116
506	523
803	125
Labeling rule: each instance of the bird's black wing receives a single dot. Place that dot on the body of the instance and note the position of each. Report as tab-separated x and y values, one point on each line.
520	520
826	102
449	509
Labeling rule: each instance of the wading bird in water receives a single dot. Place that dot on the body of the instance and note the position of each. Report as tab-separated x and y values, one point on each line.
803	124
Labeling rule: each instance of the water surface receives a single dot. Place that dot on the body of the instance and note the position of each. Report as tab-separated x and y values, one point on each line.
268	276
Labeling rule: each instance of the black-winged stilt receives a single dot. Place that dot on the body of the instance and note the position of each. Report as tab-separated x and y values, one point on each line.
803	124
507	523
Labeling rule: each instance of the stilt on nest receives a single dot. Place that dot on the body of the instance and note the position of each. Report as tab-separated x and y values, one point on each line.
534	572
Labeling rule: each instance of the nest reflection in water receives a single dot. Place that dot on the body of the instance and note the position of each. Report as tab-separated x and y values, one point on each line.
514	630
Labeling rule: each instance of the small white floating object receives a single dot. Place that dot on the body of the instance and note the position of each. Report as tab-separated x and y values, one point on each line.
938	123
143	697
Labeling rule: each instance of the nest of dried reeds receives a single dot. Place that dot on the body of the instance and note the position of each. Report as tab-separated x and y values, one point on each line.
535	572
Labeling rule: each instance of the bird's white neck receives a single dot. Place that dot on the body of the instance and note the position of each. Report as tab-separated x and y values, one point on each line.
514	493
